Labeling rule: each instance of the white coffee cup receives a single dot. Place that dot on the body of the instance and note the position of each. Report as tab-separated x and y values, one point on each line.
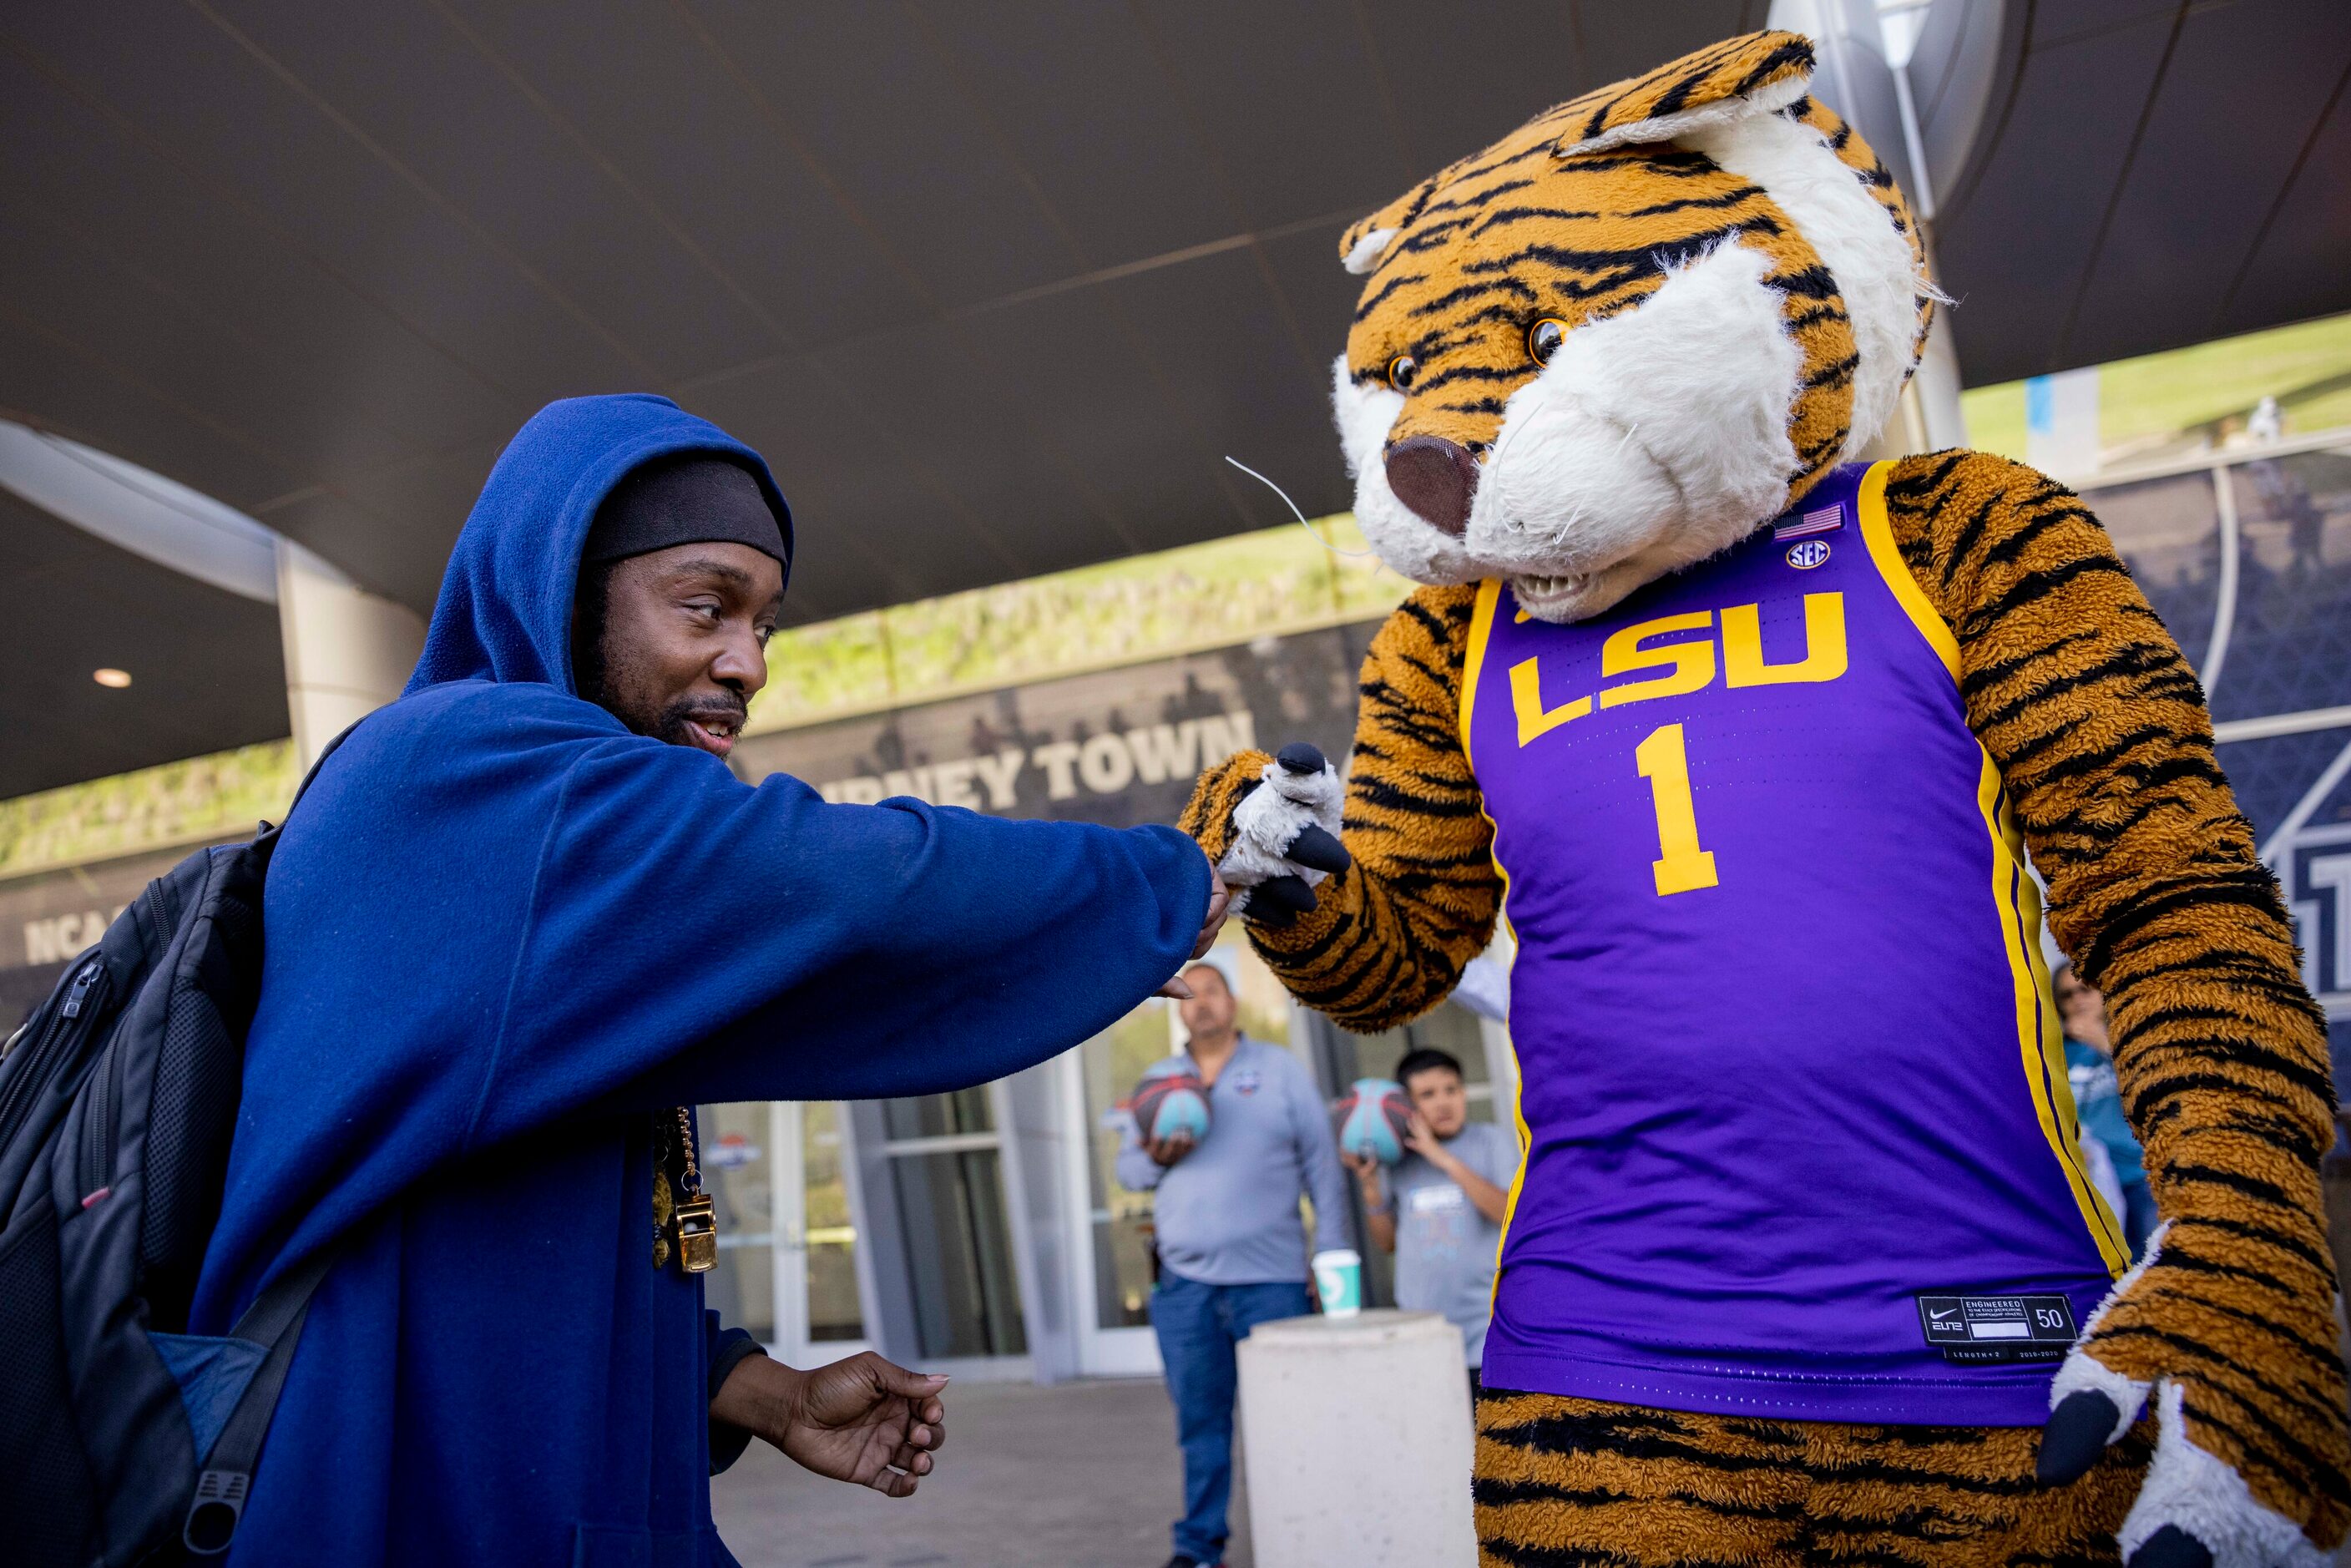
1339	1280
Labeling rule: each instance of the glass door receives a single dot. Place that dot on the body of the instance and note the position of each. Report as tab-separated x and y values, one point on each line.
819	1317
1488	1076
945	1154
735	1150
1111	1225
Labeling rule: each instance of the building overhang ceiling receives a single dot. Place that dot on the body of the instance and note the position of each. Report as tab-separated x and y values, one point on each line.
995	288
2117	177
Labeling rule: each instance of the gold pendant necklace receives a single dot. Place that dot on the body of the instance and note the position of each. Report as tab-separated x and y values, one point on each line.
692	1218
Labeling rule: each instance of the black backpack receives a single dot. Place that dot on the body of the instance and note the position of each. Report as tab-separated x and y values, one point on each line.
118	1099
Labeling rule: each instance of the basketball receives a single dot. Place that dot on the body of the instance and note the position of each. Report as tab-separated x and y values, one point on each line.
1373	1117
1171	1104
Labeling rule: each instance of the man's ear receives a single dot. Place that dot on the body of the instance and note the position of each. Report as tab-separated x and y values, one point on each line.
1756	74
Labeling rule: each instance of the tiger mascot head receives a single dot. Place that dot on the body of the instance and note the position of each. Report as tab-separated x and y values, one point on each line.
1618	339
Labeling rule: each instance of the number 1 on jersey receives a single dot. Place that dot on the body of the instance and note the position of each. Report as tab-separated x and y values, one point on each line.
1681	866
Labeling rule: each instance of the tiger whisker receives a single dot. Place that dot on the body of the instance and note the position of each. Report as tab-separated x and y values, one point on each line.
1318	538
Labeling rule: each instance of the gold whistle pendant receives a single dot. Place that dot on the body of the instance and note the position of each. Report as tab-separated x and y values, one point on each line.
694	1227
693	1222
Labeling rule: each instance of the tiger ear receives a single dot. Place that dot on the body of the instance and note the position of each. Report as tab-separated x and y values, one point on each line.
1367	240
1756	74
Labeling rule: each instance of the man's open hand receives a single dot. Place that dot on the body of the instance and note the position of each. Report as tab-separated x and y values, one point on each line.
863	1420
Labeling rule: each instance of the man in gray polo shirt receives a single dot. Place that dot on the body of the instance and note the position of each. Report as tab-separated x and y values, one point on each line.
1232	1249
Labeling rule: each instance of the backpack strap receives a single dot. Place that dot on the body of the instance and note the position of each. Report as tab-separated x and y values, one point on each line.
274	1319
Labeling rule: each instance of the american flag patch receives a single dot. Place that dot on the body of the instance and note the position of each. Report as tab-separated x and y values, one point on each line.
1820	520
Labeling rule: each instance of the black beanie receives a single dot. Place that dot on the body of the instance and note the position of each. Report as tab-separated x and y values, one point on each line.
690	499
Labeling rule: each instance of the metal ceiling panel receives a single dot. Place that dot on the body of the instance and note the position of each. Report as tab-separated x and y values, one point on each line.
1135	464
1617	40
2201	185
191	96
217	263
433	109
996	288
2301	269
1249	372
2014	246
50	380
2142	175
1071	92
646	91
1286	99
867	93
979	428
115	313
1415	50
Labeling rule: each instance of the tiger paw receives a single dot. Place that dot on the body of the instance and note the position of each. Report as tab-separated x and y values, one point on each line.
1283	838
2196	1507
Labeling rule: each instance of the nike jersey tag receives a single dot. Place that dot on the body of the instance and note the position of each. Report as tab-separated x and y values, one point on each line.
1971	1330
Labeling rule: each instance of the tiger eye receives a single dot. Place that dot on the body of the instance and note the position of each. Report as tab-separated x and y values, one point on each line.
1544	337
1401	369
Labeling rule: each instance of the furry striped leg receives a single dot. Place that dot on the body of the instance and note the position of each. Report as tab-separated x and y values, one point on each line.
1577	1481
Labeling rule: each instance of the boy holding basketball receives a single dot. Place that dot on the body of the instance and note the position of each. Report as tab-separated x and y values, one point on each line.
1440	1212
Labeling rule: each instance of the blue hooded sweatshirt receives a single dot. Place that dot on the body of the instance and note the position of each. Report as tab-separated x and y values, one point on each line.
503	934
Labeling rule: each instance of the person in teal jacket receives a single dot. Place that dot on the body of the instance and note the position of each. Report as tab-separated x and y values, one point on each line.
2098	1100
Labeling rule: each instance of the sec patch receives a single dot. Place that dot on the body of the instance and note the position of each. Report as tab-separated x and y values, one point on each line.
1808	554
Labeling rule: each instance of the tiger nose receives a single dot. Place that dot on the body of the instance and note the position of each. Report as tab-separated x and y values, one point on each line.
1437	478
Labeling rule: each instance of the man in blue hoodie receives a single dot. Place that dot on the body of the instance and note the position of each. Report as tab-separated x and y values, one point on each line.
518	923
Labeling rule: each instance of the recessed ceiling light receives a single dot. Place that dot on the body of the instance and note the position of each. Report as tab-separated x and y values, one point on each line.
110	676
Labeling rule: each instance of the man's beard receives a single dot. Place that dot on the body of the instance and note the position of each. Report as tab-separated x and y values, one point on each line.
612	682
668	726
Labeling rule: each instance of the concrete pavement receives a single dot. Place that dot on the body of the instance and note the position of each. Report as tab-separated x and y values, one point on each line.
1085	1475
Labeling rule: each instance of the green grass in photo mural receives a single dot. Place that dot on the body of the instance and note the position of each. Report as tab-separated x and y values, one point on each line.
205	797
1144	607
2159	403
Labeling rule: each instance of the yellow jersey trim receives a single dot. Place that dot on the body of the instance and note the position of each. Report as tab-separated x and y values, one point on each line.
1473	659
1473	668
1870	502
2040	1040
2040	1034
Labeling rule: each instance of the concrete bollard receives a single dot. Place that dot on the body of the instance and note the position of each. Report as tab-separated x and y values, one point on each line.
1358	1439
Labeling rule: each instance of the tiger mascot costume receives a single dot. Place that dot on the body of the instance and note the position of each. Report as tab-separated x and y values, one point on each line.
1755	738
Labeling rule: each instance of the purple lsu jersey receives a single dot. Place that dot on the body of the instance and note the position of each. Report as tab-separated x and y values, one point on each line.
1792	1092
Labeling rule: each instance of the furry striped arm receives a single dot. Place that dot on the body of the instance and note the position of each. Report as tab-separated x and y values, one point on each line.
1388	937
2099	729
